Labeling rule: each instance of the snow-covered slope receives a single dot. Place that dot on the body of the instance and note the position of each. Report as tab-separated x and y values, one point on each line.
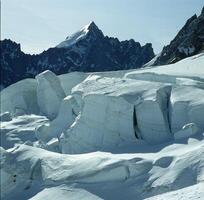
76	37
192	67
112	135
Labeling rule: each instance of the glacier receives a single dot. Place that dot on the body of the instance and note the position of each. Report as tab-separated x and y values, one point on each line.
132	134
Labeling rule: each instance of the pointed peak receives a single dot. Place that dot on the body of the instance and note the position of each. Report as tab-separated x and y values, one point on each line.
91	26
90	30
202	12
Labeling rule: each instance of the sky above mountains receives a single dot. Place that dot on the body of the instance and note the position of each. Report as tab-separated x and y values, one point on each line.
40	24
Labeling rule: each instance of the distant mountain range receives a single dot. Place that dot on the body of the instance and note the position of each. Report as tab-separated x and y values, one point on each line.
88	50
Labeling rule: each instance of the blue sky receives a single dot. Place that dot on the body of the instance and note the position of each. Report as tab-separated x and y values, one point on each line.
40	24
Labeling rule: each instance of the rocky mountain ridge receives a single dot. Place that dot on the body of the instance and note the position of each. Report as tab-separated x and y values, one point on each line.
188	42
87	50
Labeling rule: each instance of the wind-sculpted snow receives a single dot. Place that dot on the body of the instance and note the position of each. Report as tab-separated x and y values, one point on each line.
34	169
20	129
55	132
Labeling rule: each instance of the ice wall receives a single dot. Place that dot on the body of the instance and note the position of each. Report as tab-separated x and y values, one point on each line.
49	93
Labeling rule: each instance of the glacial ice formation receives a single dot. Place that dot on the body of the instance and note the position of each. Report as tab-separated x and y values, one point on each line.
20	98
108	124
49	93
186	131
65	118
186	106
153	116
104	111
20	129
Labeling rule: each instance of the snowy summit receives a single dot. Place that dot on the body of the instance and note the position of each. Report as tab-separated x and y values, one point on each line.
79	35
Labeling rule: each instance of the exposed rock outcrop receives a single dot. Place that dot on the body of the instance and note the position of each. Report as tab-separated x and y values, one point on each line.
189	41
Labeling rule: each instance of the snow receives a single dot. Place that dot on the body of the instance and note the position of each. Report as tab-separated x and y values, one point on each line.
152	61
154	129
62	192
49	93
117	102
100	173
191	67
111	126
74	38
68	81
63	121
186	106
187	131
194	192
136	134
20	129
20	98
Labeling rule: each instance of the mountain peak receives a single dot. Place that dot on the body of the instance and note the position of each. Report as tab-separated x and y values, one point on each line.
202	12
91	25
90	28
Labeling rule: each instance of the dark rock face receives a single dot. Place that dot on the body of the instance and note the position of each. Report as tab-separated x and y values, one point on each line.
189	41
13	62
87	50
